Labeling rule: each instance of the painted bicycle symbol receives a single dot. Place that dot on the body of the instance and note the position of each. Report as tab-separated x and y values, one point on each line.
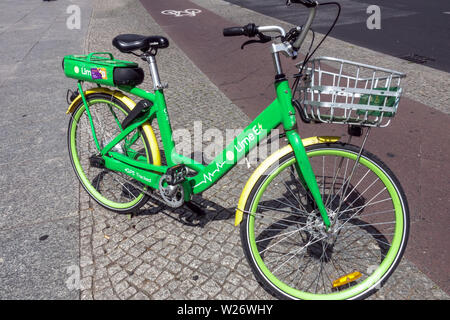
185	13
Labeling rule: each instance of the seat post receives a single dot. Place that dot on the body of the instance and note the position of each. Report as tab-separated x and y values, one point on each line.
154	72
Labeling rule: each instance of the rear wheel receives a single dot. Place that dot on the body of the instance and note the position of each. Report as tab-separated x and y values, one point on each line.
287	245
112	190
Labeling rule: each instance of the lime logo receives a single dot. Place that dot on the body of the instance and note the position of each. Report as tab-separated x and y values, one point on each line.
250	137
76	69
230	156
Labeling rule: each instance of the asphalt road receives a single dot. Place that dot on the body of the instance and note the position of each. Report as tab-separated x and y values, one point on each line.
408	27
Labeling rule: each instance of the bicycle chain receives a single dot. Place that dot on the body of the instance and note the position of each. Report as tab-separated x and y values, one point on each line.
151	195
189	219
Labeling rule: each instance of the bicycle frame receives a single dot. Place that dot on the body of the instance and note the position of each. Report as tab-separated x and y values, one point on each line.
279	112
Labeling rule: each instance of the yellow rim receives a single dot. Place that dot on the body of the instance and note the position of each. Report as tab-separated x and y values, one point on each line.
146	127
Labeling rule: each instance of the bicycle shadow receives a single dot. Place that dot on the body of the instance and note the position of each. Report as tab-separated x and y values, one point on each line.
282	238
317	253
196	213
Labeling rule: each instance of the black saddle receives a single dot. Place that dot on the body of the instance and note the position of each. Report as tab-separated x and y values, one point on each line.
130	42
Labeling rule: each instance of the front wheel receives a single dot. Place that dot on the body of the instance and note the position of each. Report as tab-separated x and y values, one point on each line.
293	255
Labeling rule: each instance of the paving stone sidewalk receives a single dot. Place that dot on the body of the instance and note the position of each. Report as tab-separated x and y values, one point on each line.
154	254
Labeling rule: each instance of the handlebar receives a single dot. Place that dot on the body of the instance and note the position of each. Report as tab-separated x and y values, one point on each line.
290	42
312	13
233	31
251	30
306	3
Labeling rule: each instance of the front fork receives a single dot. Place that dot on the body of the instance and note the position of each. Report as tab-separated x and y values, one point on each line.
306	174
303	166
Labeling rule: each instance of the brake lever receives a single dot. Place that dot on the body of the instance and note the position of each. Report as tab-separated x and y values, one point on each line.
262	39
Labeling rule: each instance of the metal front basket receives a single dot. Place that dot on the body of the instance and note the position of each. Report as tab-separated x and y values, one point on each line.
334	90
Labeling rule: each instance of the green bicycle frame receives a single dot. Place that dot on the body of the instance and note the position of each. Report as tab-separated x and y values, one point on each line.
279	112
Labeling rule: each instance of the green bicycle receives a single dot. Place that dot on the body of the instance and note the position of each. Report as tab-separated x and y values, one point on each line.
319	219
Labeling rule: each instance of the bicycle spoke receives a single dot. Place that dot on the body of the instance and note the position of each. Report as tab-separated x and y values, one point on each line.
277	200
279	235
113	190
295	246
297	213
298	200
366	205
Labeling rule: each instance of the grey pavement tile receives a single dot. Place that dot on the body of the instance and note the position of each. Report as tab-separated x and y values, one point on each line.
16	12
54	49
39	193
37	106
17	43
6	70
36	258
46	190
34	142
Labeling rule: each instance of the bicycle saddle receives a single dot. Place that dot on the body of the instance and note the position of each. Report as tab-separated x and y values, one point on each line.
129	42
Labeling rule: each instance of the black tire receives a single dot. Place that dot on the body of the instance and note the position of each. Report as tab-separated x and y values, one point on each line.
301	222
111	190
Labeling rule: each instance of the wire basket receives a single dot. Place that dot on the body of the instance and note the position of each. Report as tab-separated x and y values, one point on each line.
346	92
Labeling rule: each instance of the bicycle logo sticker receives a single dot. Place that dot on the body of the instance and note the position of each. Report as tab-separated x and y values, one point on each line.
185	13
99	73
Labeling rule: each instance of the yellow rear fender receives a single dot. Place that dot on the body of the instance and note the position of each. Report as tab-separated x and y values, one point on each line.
146	127
267	164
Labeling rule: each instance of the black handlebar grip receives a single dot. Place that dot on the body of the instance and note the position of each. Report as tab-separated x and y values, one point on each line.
306	3
233	31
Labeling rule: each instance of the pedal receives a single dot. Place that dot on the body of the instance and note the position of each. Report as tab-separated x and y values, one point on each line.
176	174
